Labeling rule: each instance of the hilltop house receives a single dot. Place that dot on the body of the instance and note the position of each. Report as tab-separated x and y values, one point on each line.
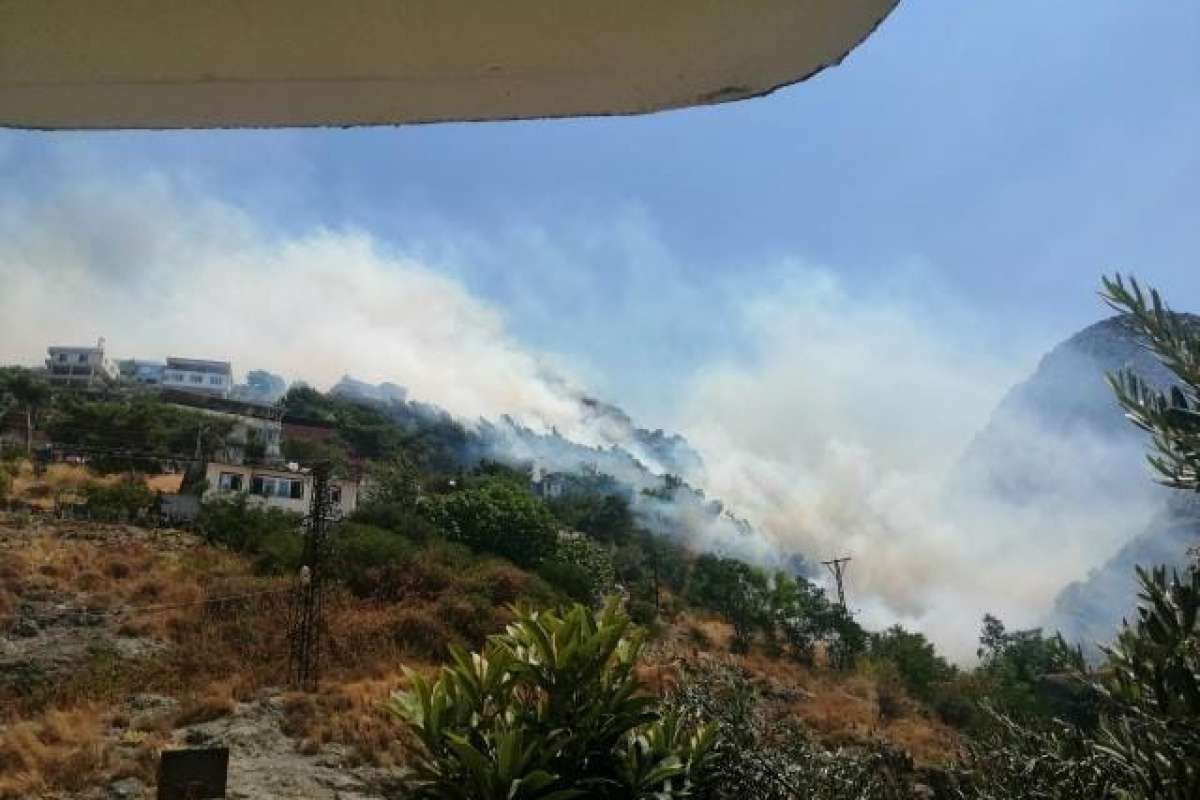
288	487
213	378
80	366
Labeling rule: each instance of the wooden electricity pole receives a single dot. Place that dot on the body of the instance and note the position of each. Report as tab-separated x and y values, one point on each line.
837	568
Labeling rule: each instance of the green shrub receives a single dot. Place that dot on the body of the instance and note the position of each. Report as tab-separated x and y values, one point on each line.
359	549
397	518
1152	727
127	498
917	664
550	709
496	517
570	579
246	528
278	552
581	567
394	482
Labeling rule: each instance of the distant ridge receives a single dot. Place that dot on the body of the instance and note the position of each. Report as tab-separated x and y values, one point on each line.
1060	438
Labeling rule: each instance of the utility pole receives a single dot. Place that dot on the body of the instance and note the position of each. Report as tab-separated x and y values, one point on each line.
304	630
837	569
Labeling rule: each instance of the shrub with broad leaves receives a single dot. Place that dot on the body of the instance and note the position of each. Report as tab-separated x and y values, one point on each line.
551	709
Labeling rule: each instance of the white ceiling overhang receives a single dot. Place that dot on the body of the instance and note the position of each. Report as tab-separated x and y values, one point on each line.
250	63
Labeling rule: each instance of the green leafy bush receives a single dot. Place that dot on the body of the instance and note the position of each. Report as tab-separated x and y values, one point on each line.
127	498
271	533
1153	732
582	567
571	580
918	665
360	555
496	517
550	709
1047	759
733	589
394	482
399	519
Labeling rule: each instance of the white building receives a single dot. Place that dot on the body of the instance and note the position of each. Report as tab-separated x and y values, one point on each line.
80	366
288	488
213	378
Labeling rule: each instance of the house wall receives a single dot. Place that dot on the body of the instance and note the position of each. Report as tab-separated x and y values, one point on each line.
79	365
192	381
197	375
347	490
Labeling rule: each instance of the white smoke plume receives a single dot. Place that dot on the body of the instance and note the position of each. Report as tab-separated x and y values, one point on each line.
840	434
160	271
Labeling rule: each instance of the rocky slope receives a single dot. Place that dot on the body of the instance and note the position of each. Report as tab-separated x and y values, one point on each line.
1059	441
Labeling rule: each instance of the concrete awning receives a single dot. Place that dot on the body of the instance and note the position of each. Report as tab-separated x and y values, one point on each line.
248	63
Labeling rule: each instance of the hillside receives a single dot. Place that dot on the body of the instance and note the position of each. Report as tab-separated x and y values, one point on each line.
575	572
117	641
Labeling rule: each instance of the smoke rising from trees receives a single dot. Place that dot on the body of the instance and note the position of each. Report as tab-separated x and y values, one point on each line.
833	420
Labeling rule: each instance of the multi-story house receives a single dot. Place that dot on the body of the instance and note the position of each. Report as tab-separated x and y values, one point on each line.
213	378
80	366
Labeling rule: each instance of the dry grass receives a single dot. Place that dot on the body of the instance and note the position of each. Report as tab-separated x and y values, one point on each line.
354	714
839	708
69	751
213	654
167	484
65	482
60	481
216	654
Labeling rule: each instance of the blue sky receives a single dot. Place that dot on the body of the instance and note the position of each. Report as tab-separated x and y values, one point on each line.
827	289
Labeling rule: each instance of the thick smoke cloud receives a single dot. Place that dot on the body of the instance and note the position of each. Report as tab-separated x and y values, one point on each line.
842	432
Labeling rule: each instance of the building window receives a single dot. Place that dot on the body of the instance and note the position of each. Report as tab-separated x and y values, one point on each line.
62	358
82	358
335	495
230	482
197	379
215	380
277	487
